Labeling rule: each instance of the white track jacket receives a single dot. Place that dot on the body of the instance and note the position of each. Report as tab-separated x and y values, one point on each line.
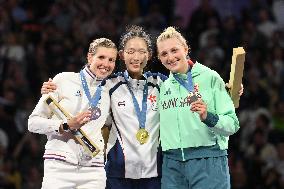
70	95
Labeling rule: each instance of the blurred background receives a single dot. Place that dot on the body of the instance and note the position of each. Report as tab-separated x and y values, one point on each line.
39	39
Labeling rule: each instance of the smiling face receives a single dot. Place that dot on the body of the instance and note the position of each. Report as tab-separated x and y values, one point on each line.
173	55
102	63
135	55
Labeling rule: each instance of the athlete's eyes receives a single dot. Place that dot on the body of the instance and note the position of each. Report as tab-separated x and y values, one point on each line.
111	60
174	50
163	54
129	51
101	57
132	51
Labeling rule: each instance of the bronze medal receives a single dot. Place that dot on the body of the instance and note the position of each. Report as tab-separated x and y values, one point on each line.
191	97
142	135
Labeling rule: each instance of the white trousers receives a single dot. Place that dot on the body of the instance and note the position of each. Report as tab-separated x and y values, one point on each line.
61	175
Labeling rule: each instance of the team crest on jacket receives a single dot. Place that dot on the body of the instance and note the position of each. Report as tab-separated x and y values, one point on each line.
168	92
121	103
153	100
78	93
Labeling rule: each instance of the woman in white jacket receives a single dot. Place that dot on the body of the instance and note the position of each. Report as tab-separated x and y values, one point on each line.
66	163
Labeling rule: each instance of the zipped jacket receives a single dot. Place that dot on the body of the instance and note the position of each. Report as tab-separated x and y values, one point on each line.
180	127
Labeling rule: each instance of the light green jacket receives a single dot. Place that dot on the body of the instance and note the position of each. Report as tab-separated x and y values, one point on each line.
182	128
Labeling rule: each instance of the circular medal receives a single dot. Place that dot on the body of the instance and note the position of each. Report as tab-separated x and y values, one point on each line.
191	97
142	136
96	113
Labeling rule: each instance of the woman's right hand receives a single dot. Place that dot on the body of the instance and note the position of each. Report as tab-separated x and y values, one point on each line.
79	120
47	87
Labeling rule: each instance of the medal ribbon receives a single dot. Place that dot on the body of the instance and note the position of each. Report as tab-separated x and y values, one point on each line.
141	114
93	101
189	84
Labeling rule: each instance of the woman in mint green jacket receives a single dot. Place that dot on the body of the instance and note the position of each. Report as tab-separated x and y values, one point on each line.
197	116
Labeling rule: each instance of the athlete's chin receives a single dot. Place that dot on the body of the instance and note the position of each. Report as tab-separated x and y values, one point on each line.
103	75
172	68
135	69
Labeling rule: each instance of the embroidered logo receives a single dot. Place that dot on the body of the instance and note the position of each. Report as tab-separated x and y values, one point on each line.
154	107
122	103
168	92
152	98
153	101
78	93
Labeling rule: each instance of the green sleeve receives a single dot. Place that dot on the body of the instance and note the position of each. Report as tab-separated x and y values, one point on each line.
224	120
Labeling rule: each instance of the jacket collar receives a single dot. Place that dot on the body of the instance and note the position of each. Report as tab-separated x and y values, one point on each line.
196	70
136	83
90	77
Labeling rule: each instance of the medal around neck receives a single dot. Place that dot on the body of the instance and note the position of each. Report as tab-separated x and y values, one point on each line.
142	136
96	113
188	85
93	101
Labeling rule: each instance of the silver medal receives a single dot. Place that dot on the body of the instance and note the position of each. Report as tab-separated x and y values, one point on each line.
96	113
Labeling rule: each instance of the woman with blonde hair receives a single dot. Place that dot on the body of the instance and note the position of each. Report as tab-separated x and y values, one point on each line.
66	162
197	116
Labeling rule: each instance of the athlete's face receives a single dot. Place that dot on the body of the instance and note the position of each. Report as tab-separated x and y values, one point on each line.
172	54
135	56
103	62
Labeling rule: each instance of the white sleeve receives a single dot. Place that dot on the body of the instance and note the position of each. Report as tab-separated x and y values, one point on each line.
40	120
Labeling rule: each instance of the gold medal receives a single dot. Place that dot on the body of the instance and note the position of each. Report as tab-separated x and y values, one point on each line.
142	136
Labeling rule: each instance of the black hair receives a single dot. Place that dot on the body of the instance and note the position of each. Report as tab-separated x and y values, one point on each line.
135	31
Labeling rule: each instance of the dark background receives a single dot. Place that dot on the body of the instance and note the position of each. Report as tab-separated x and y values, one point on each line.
39	39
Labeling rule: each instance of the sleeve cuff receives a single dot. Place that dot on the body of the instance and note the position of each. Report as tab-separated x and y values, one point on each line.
211	119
